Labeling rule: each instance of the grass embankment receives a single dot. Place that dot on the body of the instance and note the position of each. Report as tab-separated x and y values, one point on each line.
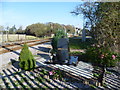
76	43
28	37
77	47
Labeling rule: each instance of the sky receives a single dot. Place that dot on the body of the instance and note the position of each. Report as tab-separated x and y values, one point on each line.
27	13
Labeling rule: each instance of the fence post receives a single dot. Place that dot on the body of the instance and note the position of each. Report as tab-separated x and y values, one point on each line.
7	37
25	38
2	37
18	37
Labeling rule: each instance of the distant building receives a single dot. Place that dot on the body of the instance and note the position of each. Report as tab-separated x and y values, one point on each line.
78	31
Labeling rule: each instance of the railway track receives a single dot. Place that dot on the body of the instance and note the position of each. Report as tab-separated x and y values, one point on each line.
16	46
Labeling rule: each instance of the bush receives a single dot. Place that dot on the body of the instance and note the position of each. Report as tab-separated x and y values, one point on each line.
101	56
56	37
27	61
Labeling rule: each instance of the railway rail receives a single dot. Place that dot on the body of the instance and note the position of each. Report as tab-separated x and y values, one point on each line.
18	45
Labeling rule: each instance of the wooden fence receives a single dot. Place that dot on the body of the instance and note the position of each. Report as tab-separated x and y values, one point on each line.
12	37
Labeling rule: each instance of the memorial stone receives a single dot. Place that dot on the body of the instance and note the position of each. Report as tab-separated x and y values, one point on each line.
63	50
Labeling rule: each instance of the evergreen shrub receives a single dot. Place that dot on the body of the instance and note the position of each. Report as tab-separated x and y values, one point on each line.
59	34
27	61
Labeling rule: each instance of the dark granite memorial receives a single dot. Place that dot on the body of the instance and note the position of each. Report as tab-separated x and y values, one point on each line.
62	51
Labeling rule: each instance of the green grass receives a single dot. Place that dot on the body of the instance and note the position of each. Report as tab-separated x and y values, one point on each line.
96	75
75	53
1	73
22	80
104	85
78	44
28	37
16	37
93	86
107	72
36	55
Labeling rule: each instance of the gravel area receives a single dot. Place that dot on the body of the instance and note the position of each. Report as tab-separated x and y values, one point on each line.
36	50
41	53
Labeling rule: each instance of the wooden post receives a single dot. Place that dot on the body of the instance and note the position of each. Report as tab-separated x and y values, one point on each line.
102	76
2	36
7	36
18	37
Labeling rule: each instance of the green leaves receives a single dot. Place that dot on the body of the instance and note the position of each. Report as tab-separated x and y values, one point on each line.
104	22
56	37
106	28
57	74
101	56
41	30
27	61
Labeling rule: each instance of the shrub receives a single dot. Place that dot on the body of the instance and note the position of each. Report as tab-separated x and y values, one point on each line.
102	56
56	37
27	61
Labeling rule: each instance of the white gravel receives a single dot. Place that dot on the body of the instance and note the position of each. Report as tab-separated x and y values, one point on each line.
6	57
83	69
